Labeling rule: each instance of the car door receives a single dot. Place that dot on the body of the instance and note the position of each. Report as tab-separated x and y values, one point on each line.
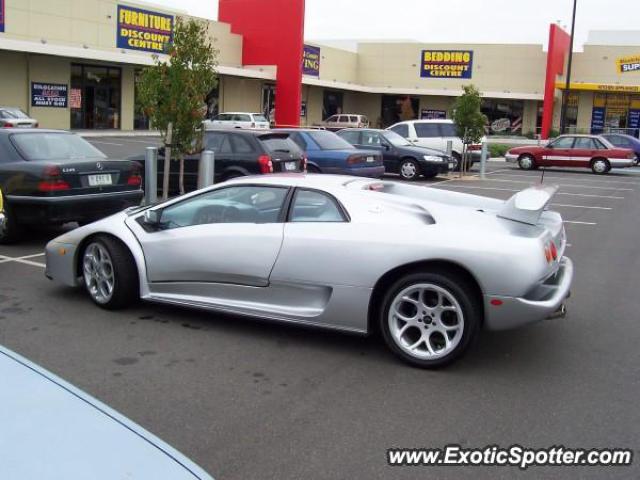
227	236
558	153
371	140
584	149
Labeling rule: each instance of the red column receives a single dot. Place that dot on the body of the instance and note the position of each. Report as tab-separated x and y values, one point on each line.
559	41
273	34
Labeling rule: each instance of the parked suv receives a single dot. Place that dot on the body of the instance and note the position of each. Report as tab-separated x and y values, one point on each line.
237	153
237	120
345	120
435	134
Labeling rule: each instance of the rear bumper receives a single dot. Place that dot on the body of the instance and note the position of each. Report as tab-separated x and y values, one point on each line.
546	300
72	208
370	172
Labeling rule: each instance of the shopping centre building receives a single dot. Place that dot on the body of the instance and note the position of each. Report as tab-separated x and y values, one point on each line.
73	64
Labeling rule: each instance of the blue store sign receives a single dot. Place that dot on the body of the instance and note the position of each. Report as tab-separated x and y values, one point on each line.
597	119
144	30
52	95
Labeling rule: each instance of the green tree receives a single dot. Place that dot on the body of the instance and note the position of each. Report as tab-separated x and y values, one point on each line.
172	93
469	119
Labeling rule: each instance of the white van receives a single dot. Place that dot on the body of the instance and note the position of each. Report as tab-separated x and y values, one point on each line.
237	120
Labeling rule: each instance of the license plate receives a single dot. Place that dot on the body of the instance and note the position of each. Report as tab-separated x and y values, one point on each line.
371	159
99	180
290	166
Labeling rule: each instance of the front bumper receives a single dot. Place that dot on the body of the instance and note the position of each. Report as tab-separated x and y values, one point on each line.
72	208
435	167
544	301
511	158
61	263
621	162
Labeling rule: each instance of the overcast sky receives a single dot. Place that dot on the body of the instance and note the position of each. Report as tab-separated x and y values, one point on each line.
455	21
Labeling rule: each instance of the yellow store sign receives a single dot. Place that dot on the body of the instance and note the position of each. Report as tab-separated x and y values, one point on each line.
629	64
601	87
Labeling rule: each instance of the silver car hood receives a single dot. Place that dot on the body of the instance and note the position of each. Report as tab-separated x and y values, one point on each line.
52	430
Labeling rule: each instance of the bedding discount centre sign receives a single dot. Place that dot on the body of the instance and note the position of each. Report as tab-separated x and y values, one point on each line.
144	30
446	64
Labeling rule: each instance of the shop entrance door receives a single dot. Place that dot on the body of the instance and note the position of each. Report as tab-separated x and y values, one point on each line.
96	93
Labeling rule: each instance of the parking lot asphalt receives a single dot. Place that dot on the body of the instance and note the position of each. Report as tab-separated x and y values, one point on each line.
123	147
250	400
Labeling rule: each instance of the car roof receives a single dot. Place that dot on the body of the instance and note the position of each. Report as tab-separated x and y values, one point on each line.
246	131
240	113
299	180
444	120
28	131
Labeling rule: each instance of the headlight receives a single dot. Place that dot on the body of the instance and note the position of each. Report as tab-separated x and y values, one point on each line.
433	158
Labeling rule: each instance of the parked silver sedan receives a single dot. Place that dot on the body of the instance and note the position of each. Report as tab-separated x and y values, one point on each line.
426	267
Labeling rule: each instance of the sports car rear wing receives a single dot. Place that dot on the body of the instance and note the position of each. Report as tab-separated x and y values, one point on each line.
527	206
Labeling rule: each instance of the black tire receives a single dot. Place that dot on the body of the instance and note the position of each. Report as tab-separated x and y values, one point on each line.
126	286
457	160
464	295
600	166
527	162
10	230
409	170
313	169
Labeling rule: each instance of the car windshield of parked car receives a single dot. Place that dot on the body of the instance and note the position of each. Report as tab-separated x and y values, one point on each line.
278	143
330	141
54	146
14	113
260	118
396	140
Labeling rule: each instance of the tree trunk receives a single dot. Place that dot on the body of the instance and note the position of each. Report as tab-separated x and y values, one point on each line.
167	163
181	181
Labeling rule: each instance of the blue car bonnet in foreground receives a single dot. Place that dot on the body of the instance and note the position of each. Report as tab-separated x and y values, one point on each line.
51	430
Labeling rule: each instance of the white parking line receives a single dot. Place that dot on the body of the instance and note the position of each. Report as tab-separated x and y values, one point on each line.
579	223
512	190
562	185
580	206
24	260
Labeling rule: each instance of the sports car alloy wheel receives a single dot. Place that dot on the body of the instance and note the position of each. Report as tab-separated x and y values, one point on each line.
99	277
426	321
409	170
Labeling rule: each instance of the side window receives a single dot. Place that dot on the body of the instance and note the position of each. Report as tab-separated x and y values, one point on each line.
300	141
218	142
243	204
448	130
223	117
353	119
241	144
312	206
619	141
351	136
332	119
601	146
584	143
343	119
371	138
402	130
427	130
242	118
563	142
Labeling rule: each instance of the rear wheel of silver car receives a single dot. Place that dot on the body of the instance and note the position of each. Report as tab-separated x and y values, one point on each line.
526	162
109	273
409	169
430	319
600	166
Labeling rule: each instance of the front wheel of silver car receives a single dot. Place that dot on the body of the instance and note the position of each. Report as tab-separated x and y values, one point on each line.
109	273
430	319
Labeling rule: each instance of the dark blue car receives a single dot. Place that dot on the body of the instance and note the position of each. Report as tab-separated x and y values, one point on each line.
328	153
625	141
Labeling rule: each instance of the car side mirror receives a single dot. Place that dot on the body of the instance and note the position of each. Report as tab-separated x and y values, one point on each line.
152	218
386	146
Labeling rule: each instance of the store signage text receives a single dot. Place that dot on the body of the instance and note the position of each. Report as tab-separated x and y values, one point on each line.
1	15
144	30
311	61
428	114
49	95
601	87
446	64
629	64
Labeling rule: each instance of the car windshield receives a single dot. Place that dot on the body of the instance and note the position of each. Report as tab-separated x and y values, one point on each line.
276	144
260	118
394	139
54	146
330	141
12	113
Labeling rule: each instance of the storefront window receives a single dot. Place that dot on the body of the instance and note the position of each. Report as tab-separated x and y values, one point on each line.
140	120
505	116
331	103
398	108
95	97
616	112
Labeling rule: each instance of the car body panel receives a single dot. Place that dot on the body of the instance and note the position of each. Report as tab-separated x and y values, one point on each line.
325	273
50	429
557	154
621	140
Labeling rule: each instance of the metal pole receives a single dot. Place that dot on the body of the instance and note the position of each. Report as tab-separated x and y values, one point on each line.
449	149
206	169
483	160
151	176
565	94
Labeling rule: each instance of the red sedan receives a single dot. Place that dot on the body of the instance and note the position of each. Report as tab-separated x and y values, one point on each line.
581	151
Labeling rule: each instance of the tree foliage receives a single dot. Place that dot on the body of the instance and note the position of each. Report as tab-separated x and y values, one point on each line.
173	91
469	119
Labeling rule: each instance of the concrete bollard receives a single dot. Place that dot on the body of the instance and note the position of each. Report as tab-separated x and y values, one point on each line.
206	169
483	160
151	176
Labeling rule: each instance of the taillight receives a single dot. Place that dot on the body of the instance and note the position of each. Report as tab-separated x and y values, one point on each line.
51	180
134	180
550	252
355	160
265	163
474	147
7	125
